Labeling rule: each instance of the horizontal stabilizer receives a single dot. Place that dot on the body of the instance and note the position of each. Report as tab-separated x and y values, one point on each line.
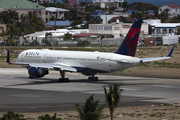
158	58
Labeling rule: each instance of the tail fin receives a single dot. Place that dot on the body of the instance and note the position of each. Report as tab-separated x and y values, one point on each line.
129	44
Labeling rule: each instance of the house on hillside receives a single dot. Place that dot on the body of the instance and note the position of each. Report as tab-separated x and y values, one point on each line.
58	24
2	29
97	13
129	12
174	9
23	7
41	1
109	3
150	12
56	13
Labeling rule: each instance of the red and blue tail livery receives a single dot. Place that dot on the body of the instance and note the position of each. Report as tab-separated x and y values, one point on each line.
129	44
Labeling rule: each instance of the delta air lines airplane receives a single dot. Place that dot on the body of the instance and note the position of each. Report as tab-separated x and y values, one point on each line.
40	61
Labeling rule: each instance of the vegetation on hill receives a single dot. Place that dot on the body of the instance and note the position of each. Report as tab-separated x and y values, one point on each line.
19	25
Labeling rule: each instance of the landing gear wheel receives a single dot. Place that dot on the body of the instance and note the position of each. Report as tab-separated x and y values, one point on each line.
66	79
93	78
90	78
60	79
63	79
96	79
31	77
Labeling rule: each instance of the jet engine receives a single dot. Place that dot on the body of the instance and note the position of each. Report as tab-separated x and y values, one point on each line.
37	72
88	73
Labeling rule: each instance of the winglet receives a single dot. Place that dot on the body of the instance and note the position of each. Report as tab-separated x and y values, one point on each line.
8	60
169	55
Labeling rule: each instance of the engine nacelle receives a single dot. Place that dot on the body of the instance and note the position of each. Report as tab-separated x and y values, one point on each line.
37	72
88	73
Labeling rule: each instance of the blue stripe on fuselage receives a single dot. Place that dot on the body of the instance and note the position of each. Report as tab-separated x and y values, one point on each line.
88	70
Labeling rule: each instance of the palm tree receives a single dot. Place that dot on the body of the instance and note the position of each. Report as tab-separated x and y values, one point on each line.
14	16
90	110
133	15
48	35
10	33
178	31
48	117
66	3
67	36
164	16
83	3
112	97
12	116
9	16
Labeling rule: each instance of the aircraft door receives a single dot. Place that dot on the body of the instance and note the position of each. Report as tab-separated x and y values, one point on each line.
110	62
43	57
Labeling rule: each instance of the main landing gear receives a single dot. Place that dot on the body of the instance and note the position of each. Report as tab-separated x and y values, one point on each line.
30	77
63	79
93	78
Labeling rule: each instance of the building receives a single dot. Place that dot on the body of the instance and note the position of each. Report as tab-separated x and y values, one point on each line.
2	29
150	12
85	36
97	13
174	9
73	3
102	3
115	30
129	12
162	28
106	18
41	1
165	28
58	24
152	21
54	13
23	7
107	3
57	35
114	19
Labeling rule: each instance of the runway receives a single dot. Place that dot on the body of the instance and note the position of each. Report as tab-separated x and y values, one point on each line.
18	93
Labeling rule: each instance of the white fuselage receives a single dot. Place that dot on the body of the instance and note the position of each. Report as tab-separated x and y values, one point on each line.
99	61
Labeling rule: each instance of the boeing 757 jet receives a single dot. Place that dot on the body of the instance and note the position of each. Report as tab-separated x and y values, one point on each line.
40	61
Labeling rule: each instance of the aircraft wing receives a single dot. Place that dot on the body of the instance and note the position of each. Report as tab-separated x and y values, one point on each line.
61	67
56	66
158	58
